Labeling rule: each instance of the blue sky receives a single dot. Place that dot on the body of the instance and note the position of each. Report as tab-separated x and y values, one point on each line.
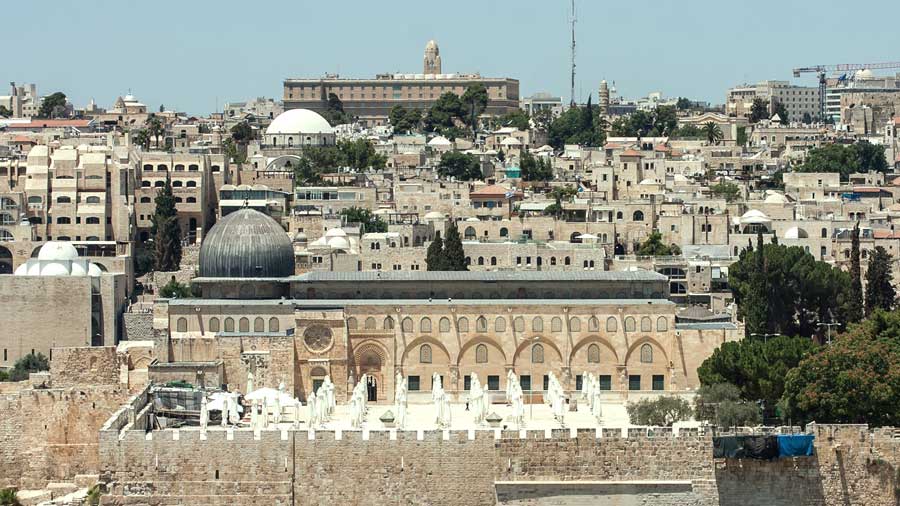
188	54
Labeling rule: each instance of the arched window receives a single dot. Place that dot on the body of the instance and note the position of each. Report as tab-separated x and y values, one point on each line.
425	325
481	354
193	166
629	324
575	324
191	200
388	323
537	324
351	323
519	324
179	200
64	200
481	324
480	260
463	324
593	324
593	354
611	324
145	184
148	167
824	233
444	325
162	167
500	324
494	261
369	324
159	184
568	261
179	167
406	325
537	354
646	354
92	220
229	325
556	324
176	184
244	325
469	233
646	324
638	216
214	324
504	232
425	354
191	184
274	326
259	325
92	200
662	324
181	325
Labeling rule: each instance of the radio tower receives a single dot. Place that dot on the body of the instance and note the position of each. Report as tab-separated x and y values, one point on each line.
573	19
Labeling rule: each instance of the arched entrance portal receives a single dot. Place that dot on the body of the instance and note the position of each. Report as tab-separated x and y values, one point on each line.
370	363
372	388
6	261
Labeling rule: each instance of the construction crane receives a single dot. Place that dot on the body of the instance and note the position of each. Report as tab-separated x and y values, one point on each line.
822	70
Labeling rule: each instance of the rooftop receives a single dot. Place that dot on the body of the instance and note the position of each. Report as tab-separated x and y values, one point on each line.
426	276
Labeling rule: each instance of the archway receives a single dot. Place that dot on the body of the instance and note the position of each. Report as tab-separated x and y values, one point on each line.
6	261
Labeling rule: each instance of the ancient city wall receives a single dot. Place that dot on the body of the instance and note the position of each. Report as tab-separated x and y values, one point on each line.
52	434
852	466
84	366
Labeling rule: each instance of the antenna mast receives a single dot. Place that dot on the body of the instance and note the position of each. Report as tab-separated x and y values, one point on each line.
573	19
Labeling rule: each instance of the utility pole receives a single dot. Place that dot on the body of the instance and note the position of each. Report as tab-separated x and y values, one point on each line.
829	325
573	19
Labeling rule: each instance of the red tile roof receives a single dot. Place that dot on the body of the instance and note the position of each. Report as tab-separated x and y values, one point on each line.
867	189
494	190
28	140
883	233
630	152
662	147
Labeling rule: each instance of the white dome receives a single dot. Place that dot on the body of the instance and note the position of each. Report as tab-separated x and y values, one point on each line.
78	270
510	141
434	215
299	121
54	269
795	233
865	74
648	181
776	198
94	271
34	268
754	213
22	270
439	141
339	243
57	250
335	232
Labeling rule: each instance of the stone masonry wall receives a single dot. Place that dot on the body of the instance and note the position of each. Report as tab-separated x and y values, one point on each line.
852	466
138	326
51	435
84	366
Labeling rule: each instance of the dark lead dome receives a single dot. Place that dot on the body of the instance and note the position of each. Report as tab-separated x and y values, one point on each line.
246	244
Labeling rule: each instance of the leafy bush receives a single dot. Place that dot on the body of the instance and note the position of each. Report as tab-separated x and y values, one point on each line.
174	289
662	411
721	405
28	364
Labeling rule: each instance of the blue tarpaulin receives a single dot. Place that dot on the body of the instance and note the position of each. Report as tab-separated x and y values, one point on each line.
795	445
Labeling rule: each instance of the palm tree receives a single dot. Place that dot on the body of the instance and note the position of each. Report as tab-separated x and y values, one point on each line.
142	138
713	133
156	129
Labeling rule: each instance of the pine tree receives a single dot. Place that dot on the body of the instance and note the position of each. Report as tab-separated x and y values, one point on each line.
880	292
756	306
434	258
166	232
855	305
454	255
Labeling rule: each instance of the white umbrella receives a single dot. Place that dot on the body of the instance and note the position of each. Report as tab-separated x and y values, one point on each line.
269	396
584	237
219	401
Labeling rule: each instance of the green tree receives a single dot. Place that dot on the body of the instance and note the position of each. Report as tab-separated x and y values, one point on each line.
662	121
845	159
785	290
535	168
855	302
729	191
28	364
855	379
403	119
759	110
434	257
560	194
156	129
9	497
880	292
720	404
807	118
688	132
713	133
654	247
360	154
542	119
454	255
683	104
174	289
517	119
369	221
334	111
305	173
663	411
780	109
741	139
142	138
462	166
578	125
4	112
166	231
242	133
52	106
474	101
444	113
756	365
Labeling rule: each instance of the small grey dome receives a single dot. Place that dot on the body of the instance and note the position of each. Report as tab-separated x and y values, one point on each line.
246	244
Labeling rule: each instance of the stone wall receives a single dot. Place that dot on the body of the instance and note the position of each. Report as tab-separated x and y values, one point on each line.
51	435
138	326
84	366
852	466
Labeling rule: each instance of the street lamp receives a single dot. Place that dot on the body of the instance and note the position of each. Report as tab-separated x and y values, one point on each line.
764	336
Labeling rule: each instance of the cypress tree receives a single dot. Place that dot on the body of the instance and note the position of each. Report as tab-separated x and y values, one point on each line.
165	230
434	259
454	256
880	292
855	305
756	306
